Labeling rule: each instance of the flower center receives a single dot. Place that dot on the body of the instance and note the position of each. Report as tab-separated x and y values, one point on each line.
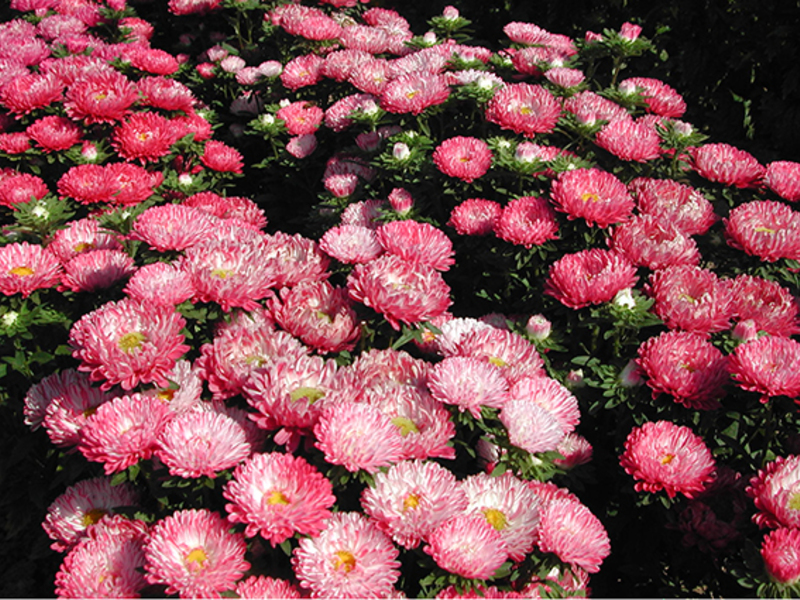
405	425
90	517
764	229
497	361
667	458
21	271
221	273
309	393
410	95
195	560
411	502
495	518
590	196
131	341
167	395
794	501
344	560
277	497
83	247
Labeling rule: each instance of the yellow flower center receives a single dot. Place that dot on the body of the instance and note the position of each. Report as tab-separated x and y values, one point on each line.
405	425
411	502
667	458
323	316
345	561
497	361
794	501
221	273
309	393
411	94
196	559
83	247
590	196
131	341
495	518
764	229
277	497
167	395
90	517
21	271
525	110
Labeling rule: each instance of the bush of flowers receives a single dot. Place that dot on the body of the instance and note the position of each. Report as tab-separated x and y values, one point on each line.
304	302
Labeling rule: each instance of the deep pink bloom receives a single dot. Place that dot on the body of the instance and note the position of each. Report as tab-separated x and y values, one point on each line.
570	531
524	108
242	211
660	98
26	267
654	242
350	558
781	553
30	92
263	586
194	554
686	366
164	93
475	216
302	71
662	455
767	229
588	277
128	343
96	270
17	188
152	60
103	96
467	545
727	165
769	306
783	178
277	496
769	365
527	221
630	140
466	158
160	283
594	195
145	137
54	133
87	184
301	117
218	156
774	492
417	242
17	142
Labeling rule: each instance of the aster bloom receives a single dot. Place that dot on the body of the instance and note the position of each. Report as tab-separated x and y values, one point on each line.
123	431
531	426
768	305
590	108
358	437
26	267
401	291
160	283
654	242
83	504
411	499
467	545
145	137
550	395
21	187
167	94
524	108
301	117
690	298
337	115
54	133
686	366
96	270
466	158
661	455
132	184
319	314
780	550
103	96
42	394
569	530
30	92
589	277
413	93
469	383
262	586
417	242
220	157
630	140
475	216
292	259
17	142
591	194
241	211
575	450
351	243
350	558
277	496
515	355
764	228
128	343
783	178
769	365
172	227
71	401
302	71
527	221
87	184
193	553
775	491
660	98
727	165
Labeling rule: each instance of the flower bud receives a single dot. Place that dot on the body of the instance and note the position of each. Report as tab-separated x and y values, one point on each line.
401	151
401	201
539	327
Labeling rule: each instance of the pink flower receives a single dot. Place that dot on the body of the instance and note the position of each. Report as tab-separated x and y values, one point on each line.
769	306
81	235
654	242
401	291
783	178
167	94
96	270
661	99
767	229
550	395
21	187
302	71
524	108
468	546
378	443
570	531
514	354
87	184
575	449
70	401
350	558
469	383
132	184
588	277
337	116
527	221
781	553
664	456
466	158
193	553
302	146
768	365
128	343
727	165
774	492
54	133
630	140
411	499
686	366
262	586
686	208
417	242
104	96
475	216
564	77
531	426
413	93
26	267
278	495
152	60
589	108
145	137
594	195
220	157
26	93
351	244
17	142
123	431
160	283
293	259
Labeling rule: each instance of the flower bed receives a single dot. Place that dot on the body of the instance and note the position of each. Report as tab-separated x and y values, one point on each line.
307	303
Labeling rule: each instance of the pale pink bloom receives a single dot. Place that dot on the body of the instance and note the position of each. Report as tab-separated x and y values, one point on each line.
769	306
309	23
371	77
277	496
341	185
630	140
550	395
467	545
106	564
570	531
469	383
783	178
508	505
524	108
413	93
293	259
466	158
589	277
127	343
263	586
302	71
780	550
358	437
83	504
590	108
123	431
686	366
337	115
401	291
375	367
690	298
660	98
184	391
654	242
564	77
769	366
530	426
661	455
594	195
575	449
774	491
350	558
536	60
351	244
194	444
40	395
515	355
102	96
242	211
26	267
411	499
194	554
160	283
96	270
727	165
319	314
365	38
70	401
767	229
417	242
302	146
475	216
683	206
527	221
339	64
